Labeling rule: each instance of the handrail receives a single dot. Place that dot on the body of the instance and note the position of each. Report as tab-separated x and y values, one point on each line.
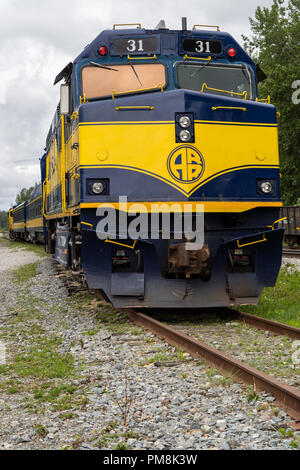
244	94
86	223
207	59
114	92
132	108
264	100
206	26
215	108
251	243
121	244
154	57
139	25
276	222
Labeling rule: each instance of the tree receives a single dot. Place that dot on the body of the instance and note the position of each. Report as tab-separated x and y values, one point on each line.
274	44
3	220
24	194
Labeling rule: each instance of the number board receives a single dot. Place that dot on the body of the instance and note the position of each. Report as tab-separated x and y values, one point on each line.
135	45
202	46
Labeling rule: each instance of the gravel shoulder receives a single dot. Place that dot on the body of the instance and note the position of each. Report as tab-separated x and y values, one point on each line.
11	259
78	375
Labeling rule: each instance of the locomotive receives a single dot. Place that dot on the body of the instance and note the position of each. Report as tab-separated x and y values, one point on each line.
167	125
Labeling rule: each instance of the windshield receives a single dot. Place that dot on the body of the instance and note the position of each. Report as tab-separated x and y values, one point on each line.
234	81
100	81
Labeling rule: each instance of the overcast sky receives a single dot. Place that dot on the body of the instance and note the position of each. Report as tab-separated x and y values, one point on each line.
38	38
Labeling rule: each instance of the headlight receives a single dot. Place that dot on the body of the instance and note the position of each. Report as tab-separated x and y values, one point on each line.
266	187
97	188
185	135
184	121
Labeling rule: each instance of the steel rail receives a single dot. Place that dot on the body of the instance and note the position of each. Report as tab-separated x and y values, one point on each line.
291	253
287	396
265	324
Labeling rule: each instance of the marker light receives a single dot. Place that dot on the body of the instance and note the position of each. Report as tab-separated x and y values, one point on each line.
184	121
185	135
97	188
102	50
231	52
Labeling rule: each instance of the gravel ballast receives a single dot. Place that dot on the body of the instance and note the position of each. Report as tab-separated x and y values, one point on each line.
119	389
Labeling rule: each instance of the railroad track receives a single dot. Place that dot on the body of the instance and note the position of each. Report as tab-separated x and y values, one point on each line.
291	252
287	397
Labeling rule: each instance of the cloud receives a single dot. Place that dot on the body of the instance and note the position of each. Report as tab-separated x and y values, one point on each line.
38	38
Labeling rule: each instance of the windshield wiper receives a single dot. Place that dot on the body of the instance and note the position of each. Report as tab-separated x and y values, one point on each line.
135	72
199	70
103	66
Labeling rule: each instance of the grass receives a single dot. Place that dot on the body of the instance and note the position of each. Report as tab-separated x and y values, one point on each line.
41	361
24	273
282	302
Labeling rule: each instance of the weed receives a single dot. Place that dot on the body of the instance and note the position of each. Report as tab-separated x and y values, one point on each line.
24	273
285	433
69	415
121	446
40	430
251	394
91	332
210	373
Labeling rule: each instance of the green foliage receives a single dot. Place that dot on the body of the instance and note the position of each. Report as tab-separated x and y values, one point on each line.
3	220
280	303
24	194
274	44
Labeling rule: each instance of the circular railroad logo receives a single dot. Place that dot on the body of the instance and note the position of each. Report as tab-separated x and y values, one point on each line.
186	164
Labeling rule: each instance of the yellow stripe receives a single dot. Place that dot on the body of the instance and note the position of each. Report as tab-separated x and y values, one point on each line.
34	223
18	225
209	206
57	216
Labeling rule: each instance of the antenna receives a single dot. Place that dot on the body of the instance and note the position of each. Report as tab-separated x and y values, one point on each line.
184	23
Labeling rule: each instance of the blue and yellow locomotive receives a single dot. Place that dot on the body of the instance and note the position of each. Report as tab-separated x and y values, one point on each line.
165	118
